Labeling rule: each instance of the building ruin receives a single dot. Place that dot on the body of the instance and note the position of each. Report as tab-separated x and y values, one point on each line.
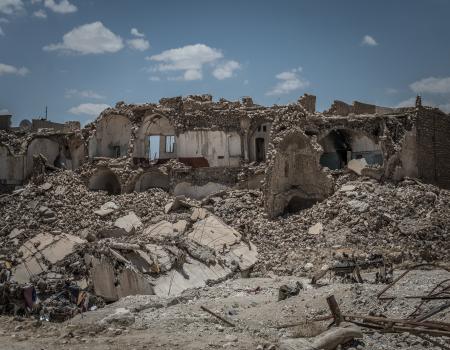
134	147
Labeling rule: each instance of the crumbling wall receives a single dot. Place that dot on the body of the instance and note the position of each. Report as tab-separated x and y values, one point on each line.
433	145
152	179
259	142
294	178
49	148
105	179
11	167
112	136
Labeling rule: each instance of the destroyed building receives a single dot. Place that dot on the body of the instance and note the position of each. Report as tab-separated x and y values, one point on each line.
217	140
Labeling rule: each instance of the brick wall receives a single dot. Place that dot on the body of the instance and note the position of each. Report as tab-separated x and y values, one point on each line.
433	144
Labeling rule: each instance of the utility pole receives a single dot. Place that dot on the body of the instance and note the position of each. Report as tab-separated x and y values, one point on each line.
46	112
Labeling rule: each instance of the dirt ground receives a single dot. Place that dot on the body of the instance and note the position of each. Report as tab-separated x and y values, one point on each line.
150	322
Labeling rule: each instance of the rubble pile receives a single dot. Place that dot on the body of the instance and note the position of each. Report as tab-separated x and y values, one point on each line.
405	222
71	249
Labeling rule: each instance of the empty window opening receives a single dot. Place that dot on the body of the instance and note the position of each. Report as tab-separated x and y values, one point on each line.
264	128
105	180
337	150
297	203
260	149
153	147
170	143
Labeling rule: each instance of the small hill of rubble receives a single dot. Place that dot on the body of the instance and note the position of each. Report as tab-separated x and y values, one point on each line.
407	222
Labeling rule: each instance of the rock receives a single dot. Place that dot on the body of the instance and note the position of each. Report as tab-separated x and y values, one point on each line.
316	229
347	188
357	165
106	209
358	205
129	222
121	317
46	186
177	203
286	291
308	266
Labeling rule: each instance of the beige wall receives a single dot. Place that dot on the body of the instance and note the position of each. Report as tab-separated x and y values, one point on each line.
112	131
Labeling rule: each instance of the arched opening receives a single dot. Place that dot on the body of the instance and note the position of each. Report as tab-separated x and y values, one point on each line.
105	180
297	203
259	142
48	148
155	140
342	145
152	180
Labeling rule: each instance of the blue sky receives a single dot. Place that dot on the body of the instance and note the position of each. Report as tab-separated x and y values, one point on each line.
78	56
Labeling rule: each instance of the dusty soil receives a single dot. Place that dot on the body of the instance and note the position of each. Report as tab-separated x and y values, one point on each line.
150	322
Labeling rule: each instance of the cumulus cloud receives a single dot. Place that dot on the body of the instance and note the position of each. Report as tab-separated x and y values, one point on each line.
139	44
9	7
136	32
188	59
71	93
40	14
7	69
431	85
93	38
369	41
64	6
226	70
411	102
92	109
288	81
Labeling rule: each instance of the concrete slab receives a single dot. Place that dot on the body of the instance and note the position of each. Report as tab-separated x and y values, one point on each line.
128	222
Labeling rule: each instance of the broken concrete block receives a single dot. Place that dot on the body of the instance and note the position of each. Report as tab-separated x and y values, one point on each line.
316	229
178	202
328	340
46	186
106	209
214	233
357	165
198	214
358	205
15	233
128	222
347	188
165	229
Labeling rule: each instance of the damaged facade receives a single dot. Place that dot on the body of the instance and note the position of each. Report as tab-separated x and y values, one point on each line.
303	149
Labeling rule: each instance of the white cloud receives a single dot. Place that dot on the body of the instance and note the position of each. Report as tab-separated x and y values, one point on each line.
432	85
445	107
154	78
136	32
7	69
369	41
410	102
189	59
138	44
63	6
92	109
246	82
226	70
289	81
9	7
83	94
93	38
3	20
40	14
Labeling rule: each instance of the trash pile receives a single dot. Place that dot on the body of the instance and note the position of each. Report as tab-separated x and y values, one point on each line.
407	222
66	249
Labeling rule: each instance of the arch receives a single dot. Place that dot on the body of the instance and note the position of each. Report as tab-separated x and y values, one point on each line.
297	203
259	141
112	136
152	179
295	178
340	145
158	133
105	180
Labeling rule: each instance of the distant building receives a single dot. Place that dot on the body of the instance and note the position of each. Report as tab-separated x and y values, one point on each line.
5	122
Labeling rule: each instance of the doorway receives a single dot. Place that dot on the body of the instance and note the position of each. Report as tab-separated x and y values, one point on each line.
260	149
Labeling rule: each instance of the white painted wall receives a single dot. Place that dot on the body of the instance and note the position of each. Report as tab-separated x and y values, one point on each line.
113	131
210	145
